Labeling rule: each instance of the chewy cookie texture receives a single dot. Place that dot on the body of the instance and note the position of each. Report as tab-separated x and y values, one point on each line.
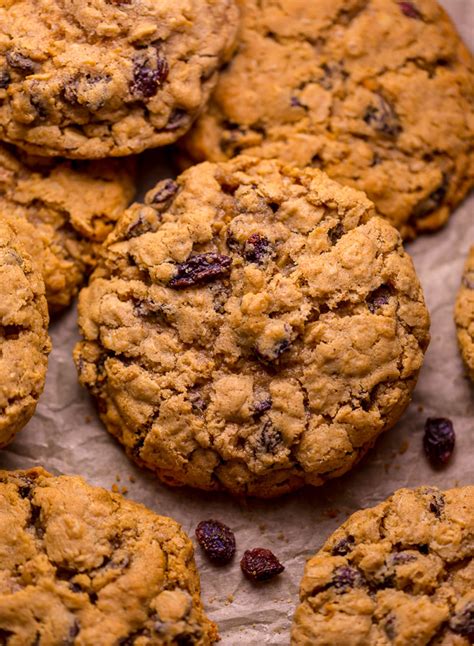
24	341
377	93
60	211
81	565
251	327
108	78
400	573
464	314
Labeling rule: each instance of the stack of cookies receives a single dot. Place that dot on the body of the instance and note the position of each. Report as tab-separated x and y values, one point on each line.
252	325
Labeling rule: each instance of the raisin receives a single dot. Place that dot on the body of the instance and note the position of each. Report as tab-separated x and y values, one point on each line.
73	632
434	200
270	438
201	268
140	226
336	233
19	61
400	558
410	11
176	120
261	407
437	504
378	298
274	353
260	564
5	79
344	546
423	548
257	248
462	622
383	118
163	194
148	78
217	540
389	627
439	440
346	577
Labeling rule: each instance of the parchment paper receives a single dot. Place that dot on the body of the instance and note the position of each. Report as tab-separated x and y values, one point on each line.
65	436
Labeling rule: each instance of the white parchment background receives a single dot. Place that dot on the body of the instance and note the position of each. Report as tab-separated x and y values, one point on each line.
66	436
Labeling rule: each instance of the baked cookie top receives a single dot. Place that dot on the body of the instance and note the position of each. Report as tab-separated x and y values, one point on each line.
251	327
464	314
59	210
100	78
399	573
84	566
377	93
24	341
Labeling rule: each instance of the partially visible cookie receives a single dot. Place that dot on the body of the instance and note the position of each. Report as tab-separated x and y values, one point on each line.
105	78
252	327
84	566
399	573
61	210
377	93
24	341
464	314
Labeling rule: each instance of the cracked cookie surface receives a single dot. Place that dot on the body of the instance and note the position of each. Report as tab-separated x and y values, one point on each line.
252	327
108	78
83	566
60	211
464	314
377	93
24	341
399	573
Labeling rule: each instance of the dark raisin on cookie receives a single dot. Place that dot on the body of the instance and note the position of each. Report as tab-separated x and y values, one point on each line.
434	200
163	193
257	248
344	546
5	79
270	439
437	503
462	623
262	406
378	298
148	77
345	578
439	440
217	540
336	233
260	564
410	11
200	268
383	118
20	62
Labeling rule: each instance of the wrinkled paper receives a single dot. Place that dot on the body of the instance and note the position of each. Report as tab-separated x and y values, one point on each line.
66	436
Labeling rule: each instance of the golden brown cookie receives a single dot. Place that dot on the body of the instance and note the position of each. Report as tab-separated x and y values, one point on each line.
60	211
399	573
464	314
83	566
377	93
107	78
252	327
24	341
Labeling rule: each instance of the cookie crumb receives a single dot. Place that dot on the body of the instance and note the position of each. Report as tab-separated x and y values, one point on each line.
403	448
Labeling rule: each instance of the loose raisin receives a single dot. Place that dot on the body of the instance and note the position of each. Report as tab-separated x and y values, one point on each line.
217	540
201	268
410	11
439	440
260	564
